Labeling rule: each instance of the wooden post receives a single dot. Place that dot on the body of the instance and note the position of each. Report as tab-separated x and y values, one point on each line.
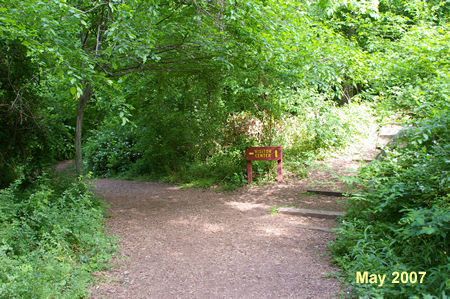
280	171
249	172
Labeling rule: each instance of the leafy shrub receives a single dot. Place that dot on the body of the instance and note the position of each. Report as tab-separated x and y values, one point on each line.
24	137
226	167
412	75
51	238
109	150
401	220
316	126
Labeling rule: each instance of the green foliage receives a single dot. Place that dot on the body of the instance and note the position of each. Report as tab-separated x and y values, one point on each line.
51	238
23	134
414	75
110	150
224	168
191	142
207	79
400	222
316	126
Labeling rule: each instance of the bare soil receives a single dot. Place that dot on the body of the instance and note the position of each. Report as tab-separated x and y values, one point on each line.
185	243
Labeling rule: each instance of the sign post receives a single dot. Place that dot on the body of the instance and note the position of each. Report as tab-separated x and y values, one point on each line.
268	153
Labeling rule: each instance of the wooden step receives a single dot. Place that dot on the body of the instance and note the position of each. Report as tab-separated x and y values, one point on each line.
388	136
327	193
309	212
322	229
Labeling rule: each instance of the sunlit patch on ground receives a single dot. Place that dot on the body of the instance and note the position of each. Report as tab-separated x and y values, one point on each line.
246	206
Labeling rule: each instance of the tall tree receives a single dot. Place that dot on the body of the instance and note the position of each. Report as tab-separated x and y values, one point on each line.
95	43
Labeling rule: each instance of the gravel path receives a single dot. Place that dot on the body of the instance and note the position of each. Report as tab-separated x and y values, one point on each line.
203	244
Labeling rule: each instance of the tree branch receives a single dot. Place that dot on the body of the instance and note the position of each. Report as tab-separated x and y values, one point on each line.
170	15
172	47
94	8
144	68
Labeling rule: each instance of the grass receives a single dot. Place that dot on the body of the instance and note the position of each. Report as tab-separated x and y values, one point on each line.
276	209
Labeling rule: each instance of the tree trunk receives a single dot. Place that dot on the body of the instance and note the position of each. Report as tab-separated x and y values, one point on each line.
87	92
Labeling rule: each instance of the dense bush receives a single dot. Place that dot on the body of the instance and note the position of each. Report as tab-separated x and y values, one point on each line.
315	125
413	76
51	238
225	168
23	135
401	220
34	119
109	150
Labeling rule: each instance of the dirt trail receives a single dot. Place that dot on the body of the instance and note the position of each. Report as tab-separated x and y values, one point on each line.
203	244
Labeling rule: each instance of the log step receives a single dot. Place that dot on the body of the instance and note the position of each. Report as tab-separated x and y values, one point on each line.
389	136
327	193
322	229
313	213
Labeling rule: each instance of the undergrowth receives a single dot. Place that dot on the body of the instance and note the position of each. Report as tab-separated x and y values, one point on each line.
51	238
310	128
399	222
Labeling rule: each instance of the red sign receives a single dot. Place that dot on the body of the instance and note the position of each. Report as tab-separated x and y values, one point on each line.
269	153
